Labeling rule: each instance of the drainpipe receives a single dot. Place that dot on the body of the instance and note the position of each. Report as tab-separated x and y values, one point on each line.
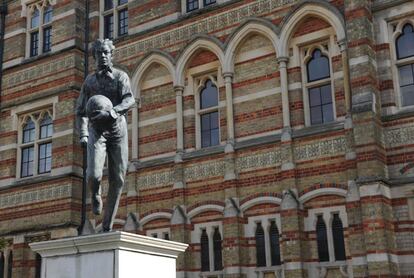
84	153
3	13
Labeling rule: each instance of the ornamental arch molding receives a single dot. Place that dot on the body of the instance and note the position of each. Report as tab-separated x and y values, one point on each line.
204	208
260	200
154	216
250	26
319	9
201	42
322	192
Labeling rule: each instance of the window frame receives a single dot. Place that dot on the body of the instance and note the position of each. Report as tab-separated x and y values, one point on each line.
161	232
115	12
41	7
395	30
37	118
326	48
201	5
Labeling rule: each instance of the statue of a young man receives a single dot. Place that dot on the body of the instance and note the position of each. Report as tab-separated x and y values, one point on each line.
101	110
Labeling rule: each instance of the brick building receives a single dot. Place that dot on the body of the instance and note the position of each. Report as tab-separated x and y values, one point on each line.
276	137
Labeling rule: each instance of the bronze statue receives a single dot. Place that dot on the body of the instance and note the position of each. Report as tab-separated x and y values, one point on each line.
101	111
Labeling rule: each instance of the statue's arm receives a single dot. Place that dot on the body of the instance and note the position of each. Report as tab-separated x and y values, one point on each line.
126	93
81	117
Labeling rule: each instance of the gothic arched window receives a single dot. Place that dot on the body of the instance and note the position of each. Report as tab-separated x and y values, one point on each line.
38	266
205	256
405	42
209	115
338	238
322	240
27	159
1	265
10	265
260	246
218	261
274	243
405	50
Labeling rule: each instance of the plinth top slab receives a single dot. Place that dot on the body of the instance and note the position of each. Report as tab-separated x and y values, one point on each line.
109	241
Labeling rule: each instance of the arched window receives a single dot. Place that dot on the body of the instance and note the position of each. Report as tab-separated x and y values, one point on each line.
319	88
46	127
35	18
1	265
274	243
38	266
218	262
205	256
260	246
338	238
28	150
322	240
47	14
209	116
10	265
40	31
45	149
405	50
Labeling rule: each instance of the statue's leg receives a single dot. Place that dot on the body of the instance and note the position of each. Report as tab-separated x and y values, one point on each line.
117	166
96	161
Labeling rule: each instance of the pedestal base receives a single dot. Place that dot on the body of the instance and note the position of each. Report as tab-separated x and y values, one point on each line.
109	255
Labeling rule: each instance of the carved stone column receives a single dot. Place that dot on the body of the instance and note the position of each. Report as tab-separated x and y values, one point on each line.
179	117
282	61
228	81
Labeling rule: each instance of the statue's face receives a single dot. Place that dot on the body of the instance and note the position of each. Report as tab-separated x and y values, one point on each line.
103	56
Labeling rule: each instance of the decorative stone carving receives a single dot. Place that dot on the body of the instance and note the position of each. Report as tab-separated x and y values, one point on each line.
155	179
259	160
231	208
289	200
200	171
399	136
320	149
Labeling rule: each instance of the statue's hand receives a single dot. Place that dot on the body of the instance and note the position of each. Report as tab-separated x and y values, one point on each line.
100	116
84	140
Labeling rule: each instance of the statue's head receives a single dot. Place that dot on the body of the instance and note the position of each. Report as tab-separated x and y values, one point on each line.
102	52
97	103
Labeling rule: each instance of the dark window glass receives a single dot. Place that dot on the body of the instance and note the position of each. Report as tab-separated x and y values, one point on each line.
407	84
218	262
28	132
38	266
209	2
45	158
47	16
318	66
322	240
1	265
47	39
34	20
27	161
274	243
405	42
192	5
123	23
167	236
109	4
10	265
46	127
154	235
34	44
205	257
320	104
338	238
109	26
260	246
208	95
209	129
121	2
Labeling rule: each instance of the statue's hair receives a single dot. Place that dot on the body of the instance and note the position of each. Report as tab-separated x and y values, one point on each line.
101	42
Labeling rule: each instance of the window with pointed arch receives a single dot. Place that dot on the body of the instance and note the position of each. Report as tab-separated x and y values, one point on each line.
10	265
404	46
39	24
35	143
2	263
319	87
208	113
114	18
267	243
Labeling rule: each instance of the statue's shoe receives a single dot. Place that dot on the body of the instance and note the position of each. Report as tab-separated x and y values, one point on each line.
97	204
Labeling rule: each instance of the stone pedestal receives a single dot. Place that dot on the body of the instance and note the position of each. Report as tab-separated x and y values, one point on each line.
109	255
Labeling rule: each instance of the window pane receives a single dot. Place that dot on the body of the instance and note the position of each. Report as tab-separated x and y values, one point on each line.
209	2
45	158
406	75
260	246
46	127
109	4
34	21
327	113
2	263
34	43
192	5
27	162
338	238
274	244
29	132
218	262
47	39
205	122
109	26
322	240
405	42
10	265
166	236
316	115
318	66
123	22
209	95
407	95
121	2
38	266
205	257
47	16
326	95
205	138
314	97
214	121
215	137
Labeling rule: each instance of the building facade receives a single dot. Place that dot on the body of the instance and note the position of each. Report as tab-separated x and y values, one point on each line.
275	137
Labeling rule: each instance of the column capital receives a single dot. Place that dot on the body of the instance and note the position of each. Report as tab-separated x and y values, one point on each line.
228	75
342	45
179	90
282	59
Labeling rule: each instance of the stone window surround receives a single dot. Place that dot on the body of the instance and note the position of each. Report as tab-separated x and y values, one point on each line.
115	12
250	231
395	29
306	55
195	238
159	232
327	215
36	117
27	11
200	5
